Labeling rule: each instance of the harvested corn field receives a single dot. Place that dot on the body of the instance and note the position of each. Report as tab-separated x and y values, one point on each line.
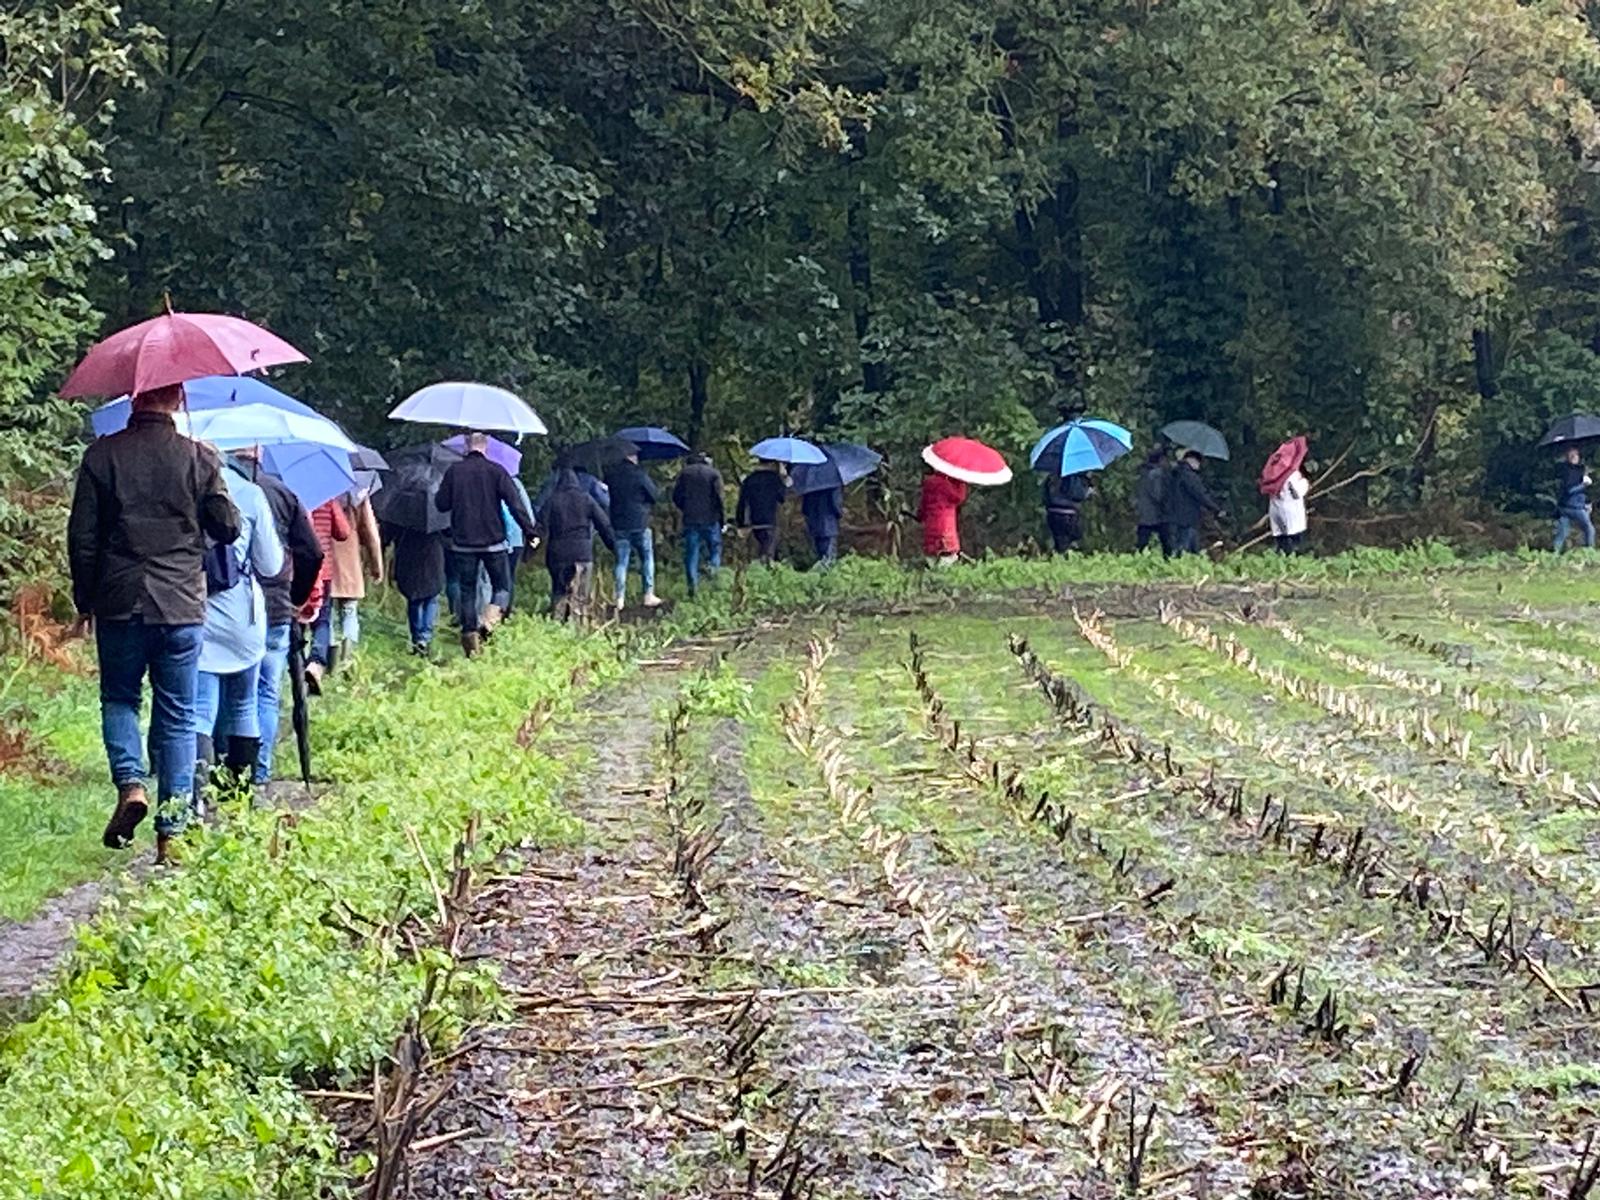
1140	892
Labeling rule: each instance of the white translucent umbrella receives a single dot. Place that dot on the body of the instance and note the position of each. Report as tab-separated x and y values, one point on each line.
469	406
259	425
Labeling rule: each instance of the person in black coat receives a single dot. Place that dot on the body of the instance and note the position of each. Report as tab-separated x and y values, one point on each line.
698	495
1185	505
472	492
823	510
419	573
760	496
570	519
633	498
1149	499
1063	509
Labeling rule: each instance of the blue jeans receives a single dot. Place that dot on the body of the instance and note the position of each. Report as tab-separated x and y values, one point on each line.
629	540
227	705
1182	539
170	655
827	547
421	616
322	632
269	695
696	538
1569	517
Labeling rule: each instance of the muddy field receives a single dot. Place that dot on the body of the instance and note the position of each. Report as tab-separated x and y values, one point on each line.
1206	894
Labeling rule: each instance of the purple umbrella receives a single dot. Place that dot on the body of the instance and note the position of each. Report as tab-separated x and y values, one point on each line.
500	452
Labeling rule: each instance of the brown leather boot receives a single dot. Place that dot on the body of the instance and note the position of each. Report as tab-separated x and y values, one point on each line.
470	643
166	852
133	805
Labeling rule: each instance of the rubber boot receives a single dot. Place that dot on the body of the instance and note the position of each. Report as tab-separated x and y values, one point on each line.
241	765
205	759
335	653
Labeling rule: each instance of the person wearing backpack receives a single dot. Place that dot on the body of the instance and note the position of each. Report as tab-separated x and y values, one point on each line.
226	709
146	499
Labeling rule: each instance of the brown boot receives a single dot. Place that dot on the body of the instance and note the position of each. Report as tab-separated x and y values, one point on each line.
133	805
166	850
470	643
492	616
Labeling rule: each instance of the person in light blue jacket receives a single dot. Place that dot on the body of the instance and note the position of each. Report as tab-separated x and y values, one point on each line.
235	641
516	539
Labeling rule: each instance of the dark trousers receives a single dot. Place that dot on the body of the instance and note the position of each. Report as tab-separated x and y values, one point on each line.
497	565
1289	543
827	547
1146	532
766	542
1066	528
514	557
1181	540
322	630
571	584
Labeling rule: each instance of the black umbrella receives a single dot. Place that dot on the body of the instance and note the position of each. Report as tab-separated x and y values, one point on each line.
300	714
595	456
1579	427
406	501
1197	436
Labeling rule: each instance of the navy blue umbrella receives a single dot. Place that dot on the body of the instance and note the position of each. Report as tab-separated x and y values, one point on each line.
655	444
846	464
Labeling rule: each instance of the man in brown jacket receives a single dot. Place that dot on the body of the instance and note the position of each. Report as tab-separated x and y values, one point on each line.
147	499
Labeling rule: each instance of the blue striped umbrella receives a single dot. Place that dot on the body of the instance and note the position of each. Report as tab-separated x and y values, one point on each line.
1079	446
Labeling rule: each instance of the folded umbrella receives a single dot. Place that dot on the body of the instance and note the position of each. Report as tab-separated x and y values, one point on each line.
469	406
407	500
314	473
654	443
1282	463
846	464
1078	446
597	454
201	395
1197	436
176	348
968	460
788	450
507	456
1579	427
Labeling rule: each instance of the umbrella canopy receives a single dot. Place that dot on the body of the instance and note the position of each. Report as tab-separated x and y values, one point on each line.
1197	436
260	425
406	502
969	461
597	454
1079	446
846	464
788	450
1282	463
506	455
365	458
469	406
200	395
176	348
1579	427
314	473
368	483
655	443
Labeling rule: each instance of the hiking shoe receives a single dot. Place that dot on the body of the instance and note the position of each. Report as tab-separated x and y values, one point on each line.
651	600
314	678
133	805
471	643
166	850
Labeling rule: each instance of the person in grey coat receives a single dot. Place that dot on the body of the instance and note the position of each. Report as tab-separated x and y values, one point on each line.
1149	500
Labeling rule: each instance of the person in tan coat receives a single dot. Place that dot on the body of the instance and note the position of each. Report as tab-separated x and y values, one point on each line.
353	560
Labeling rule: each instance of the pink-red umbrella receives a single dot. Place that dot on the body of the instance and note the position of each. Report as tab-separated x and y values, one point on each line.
968	460
1283	462
176	348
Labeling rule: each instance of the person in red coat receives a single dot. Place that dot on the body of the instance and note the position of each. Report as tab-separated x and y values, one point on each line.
942	498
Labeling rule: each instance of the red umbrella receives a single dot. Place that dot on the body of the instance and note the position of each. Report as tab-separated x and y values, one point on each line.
175	348
968	460
1285	461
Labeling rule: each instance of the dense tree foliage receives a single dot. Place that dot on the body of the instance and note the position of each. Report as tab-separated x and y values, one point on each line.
1370	221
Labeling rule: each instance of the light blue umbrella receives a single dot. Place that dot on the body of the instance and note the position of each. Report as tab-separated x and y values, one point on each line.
846	464
469	406
314	473
202	395
788	450
1079	446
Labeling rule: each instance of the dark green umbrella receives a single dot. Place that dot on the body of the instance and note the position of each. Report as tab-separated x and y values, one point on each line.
1197	436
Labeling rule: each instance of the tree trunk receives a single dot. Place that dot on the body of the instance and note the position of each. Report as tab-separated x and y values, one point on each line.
858	236
699	394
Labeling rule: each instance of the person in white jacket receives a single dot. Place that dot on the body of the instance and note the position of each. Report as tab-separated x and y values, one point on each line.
1286	512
